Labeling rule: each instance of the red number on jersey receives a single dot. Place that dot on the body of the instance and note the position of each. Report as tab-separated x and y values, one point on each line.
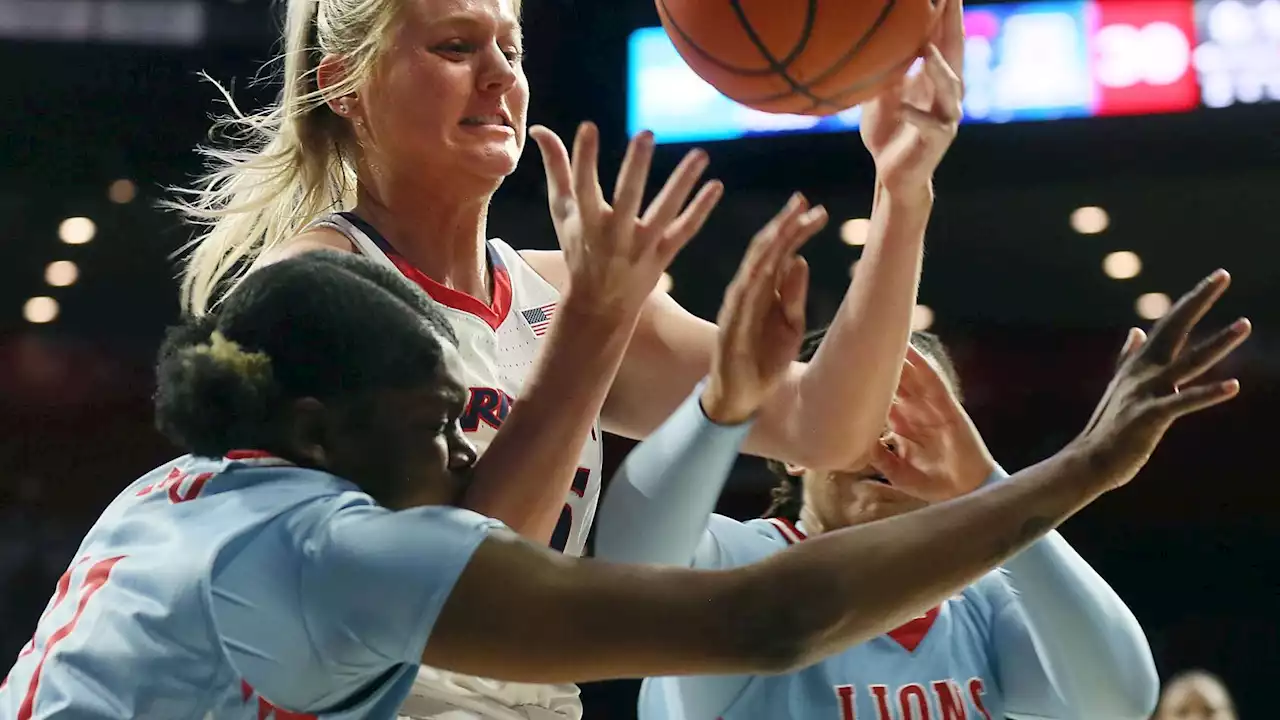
94	579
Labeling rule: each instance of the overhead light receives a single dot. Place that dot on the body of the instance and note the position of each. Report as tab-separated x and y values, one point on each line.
854	232
1089	220
1153	306
77	230
1122	265
122	191
921	318
665	283
61	273
41	309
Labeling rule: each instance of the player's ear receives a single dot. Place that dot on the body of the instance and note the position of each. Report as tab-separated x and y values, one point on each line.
306	432
794	470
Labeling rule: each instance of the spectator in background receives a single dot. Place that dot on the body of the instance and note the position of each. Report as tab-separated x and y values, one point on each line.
1195	695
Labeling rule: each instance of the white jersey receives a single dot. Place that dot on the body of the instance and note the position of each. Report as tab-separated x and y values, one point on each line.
498	343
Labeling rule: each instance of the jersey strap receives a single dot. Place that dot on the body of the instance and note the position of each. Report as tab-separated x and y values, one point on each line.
371	242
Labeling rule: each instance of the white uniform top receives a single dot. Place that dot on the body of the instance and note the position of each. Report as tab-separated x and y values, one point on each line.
498	343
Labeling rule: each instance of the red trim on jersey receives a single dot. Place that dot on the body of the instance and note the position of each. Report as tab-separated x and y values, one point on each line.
910	635
248	455
493	315
788	530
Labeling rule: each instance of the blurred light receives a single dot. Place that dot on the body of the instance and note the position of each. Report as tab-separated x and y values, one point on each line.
77	230
665	283
1122	265
922	317
122	191
40	310
1153	306
61	273
854	232
1089	220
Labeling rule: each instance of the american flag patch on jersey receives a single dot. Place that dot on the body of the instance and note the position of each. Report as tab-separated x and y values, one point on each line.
539	318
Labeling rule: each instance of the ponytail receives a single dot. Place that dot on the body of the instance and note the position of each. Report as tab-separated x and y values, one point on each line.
270	173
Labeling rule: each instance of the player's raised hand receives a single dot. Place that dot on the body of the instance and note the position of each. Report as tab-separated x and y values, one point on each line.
934	451
1153	385
762	319
910	125
616	255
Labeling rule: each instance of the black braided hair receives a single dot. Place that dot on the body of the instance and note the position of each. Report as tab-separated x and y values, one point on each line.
327	325
787	497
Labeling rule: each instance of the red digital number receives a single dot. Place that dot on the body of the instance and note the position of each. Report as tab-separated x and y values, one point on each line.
94	579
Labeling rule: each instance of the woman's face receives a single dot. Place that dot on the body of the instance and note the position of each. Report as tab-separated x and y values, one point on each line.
1196	698
449	96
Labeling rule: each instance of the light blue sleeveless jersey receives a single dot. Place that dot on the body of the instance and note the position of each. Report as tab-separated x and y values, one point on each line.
937	667
243	588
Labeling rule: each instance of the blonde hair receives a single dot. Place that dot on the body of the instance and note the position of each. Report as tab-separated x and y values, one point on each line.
289	162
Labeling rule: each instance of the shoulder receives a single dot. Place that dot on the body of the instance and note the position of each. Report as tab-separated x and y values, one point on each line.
318	238
731	543
549	264
992	592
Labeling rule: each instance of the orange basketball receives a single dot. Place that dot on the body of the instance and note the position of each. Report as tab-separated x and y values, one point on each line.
810	57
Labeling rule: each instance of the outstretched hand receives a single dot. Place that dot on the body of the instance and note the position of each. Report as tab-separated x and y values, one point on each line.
762	320
933	451
911	124
614	254
1153	385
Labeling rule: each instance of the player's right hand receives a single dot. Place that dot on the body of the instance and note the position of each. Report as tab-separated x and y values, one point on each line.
1151	388
762	319
614	254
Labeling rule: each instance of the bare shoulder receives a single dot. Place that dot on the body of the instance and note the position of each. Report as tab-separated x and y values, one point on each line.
550	265
320	238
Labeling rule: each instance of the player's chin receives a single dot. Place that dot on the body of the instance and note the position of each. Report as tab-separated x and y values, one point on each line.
873	500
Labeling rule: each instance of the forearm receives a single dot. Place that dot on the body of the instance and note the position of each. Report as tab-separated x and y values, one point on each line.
836	408
862	581
658	503
524	475
1088	641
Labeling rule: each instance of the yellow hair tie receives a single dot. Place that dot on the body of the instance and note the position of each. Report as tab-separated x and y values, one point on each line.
230	355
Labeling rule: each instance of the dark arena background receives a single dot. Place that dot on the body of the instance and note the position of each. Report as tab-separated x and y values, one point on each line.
1052	233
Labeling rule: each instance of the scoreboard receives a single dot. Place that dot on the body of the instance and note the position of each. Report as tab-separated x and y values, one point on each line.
1028	61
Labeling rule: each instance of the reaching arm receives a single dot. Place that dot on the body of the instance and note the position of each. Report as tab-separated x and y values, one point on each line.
524	614
824	414
658	503
1080	632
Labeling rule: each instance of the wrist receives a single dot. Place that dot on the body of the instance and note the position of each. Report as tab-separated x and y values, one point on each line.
589	317
911	195
718	407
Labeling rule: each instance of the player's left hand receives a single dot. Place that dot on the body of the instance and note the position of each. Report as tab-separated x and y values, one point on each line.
615	252
910	125
762	320
937	451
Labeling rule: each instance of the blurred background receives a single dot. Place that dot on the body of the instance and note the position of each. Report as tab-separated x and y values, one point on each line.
1110	162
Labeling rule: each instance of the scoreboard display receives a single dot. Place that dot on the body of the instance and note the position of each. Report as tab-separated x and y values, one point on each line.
1029	61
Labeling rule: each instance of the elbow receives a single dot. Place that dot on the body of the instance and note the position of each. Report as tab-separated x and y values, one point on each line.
1133	695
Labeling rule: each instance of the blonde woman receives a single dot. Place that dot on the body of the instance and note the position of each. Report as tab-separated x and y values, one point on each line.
407	115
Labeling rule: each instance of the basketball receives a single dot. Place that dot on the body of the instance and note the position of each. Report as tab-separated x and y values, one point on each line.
809	57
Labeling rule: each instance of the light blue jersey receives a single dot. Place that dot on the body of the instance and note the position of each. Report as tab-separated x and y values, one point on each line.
1044	637
937	667
242	588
